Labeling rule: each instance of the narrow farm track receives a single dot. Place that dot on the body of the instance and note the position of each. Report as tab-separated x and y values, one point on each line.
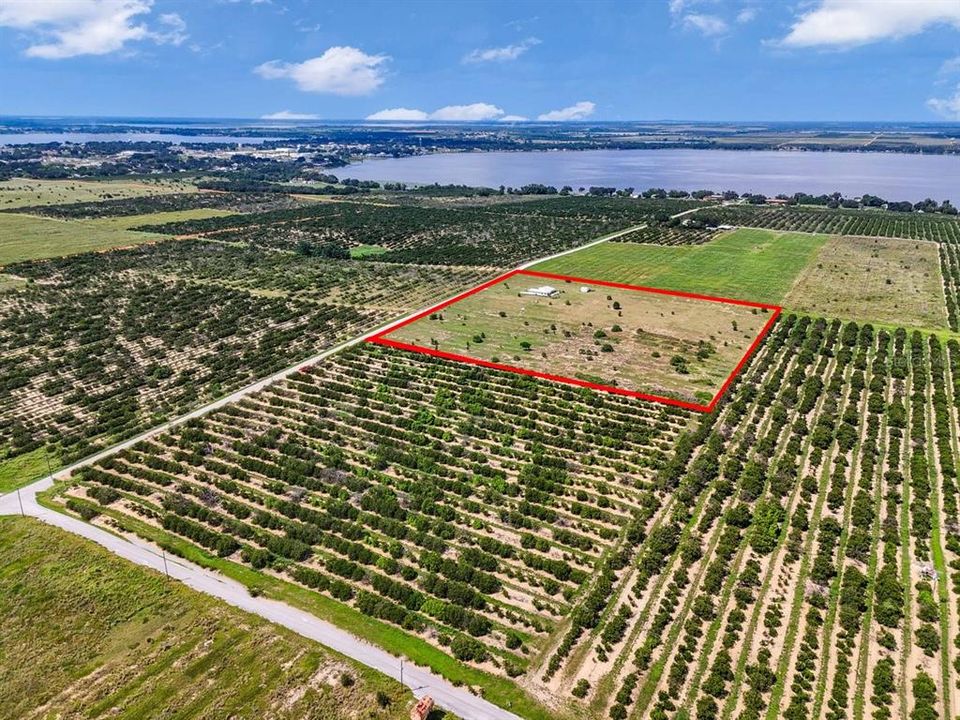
708	651
906	562
863	664
939	564
950	511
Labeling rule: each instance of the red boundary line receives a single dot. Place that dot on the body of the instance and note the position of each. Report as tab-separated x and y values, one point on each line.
381	337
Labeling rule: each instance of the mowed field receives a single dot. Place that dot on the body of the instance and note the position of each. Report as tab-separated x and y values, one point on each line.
886	280
641	341
86	634
29	237
21	192
747	264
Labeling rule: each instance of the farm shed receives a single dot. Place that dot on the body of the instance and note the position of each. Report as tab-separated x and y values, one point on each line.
542	291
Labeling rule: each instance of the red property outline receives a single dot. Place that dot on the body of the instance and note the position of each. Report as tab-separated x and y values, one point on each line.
381	337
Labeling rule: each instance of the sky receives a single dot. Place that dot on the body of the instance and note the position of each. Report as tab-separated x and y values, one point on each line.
698	60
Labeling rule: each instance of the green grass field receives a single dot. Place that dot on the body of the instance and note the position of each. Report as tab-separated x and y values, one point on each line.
362	251
86	634
24	469
21	192
757	265
29	237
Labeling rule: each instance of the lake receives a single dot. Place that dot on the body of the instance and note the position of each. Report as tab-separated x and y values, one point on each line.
893	176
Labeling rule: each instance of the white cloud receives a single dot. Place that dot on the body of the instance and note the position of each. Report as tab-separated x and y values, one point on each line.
68	28
709	25
522	23
400	113
340	71
706	24
501	54
513	118
947	108
847	23
949	67
748	14
474	112
579	111
175	31
287	115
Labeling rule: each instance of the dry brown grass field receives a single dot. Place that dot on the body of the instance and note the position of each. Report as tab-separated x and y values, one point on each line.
886	280
638	340
21	192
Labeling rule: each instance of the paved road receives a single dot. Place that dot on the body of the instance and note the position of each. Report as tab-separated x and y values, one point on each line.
422	682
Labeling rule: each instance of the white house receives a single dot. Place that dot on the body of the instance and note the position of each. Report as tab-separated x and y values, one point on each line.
542	291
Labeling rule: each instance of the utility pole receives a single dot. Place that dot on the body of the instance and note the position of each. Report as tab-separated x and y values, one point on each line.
163	554
20	500
46	454
401	671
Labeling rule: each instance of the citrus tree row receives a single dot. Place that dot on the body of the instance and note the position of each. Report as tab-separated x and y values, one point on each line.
456	503
809	578
789	555
950	268
99	346
657	234
462	235
871	223
167	202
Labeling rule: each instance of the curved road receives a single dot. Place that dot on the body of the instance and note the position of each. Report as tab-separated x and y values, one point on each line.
421	681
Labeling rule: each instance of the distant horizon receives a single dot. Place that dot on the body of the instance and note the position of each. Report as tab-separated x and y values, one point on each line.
484	123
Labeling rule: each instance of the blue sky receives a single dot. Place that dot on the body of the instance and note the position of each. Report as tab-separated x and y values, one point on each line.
654	59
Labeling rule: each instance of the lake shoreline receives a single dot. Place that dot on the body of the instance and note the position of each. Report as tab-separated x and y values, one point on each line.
893	176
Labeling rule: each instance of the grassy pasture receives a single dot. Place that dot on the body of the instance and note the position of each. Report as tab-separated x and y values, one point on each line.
21	192
86	634
757	265
627	338
362	251
24	469
885	280
29	237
